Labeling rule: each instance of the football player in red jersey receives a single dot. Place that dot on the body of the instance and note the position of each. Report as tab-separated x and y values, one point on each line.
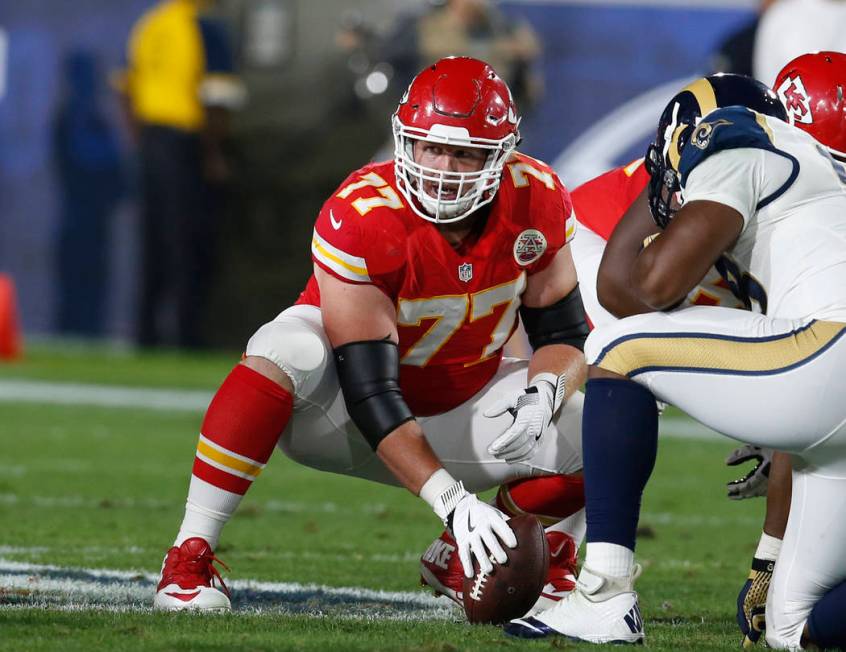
390	365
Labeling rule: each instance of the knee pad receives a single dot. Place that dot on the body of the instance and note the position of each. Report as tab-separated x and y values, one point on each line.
297	349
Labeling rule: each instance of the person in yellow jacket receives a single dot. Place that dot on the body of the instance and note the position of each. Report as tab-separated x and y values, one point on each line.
179	86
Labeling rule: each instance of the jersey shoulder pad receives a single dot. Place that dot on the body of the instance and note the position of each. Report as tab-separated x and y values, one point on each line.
733	127
531	175
536	196
539	211
371	188
360	232
369	196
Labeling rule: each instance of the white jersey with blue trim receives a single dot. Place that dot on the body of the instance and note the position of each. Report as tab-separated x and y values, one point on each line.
790	258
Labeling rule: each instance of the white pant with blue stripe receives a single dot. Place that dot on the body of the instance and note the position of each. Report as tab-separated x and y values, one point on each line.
777	383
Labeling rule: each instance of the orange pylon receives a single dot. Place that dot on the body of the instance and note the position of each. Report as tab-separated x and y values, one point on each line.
11	344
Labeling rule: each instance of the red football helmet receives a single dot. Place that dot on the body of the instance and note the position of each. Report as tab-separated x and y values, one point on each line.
813	89
456	101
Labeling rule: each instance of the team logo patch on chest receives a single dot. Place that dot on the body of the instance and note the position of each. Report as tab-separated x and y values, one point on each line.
529	246
465	272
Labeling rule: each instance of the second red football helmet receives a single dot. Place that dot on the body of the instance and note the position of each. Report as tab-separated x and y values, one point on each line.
813	90
456	101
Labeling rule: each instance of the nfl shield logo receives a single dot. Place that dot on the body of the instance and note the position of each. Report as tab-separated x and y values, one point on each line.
465	272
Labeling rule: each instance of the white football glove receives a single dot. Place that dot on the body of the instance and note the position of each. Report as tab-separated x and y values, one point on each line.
478	529
532	409
756	481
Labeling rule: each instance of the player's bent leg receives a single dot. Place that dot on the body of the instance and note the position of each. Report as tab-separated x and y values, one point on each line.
558	502
461	437
620	433
239	432
766	375
807	585
826	626
237	437
321	435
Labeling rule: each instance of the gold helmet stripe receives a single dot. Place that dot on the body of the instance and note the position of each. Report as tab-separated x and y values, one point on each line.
673	152
704	94
702	90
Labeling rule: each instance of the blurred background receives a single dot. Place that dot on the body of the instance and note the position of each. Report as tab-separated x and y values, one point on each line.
162	163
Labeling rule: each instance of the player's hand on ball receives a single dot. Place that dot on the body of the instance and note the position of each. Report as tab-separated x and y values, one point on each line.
480	530
532	409
754	483
752	601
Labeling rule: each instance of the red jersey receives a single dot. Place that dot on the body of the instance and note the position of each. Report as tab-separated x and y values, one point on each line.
600	204
455	307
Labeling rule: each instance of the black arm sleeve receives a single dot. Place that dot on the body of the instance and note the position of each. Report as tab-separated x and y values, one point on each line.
369	376
561	323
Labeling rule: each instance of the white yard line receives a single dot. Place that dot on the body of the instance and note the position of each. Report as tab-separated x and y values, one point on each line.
27	586
182	400
37	585
90	552
37	391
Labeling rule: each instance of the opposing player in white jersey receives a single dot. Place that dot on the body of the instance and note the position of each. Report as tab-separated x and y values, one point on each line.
766	204
812	88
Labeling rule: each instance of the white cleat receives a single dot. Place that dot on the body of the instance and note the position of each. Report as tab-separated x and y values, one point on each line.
602	609
203	598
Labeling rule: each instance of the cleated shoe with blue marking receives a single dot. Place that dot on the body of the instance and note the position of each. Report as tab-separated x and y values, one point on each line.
602	609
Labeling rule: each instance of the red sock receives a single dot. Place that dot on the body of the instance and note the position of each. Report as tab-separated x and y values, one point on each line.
550	498
242	425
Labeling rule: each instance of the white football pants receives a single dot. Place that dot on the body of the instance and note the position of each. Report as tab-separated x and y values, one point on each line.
776	383
322	435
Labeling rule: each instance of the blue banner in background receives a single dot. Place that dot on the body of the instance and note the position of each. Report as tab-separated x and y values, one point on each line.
42	37
599	57
609	69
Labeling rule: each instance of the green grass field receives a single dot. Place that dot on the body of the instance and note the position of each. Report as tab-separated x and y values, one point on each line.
90	498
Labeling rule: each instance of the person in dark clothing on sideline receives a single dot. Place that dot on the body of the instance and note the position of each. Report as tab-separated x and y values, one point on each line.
90	176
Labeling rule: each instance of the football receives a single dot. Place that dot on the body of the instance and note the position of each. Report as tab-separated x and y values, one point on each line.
511	589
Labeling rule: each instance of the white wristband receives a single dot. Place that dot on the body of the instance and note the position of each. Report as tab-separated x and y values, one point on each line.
559	385
442	492
768	547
